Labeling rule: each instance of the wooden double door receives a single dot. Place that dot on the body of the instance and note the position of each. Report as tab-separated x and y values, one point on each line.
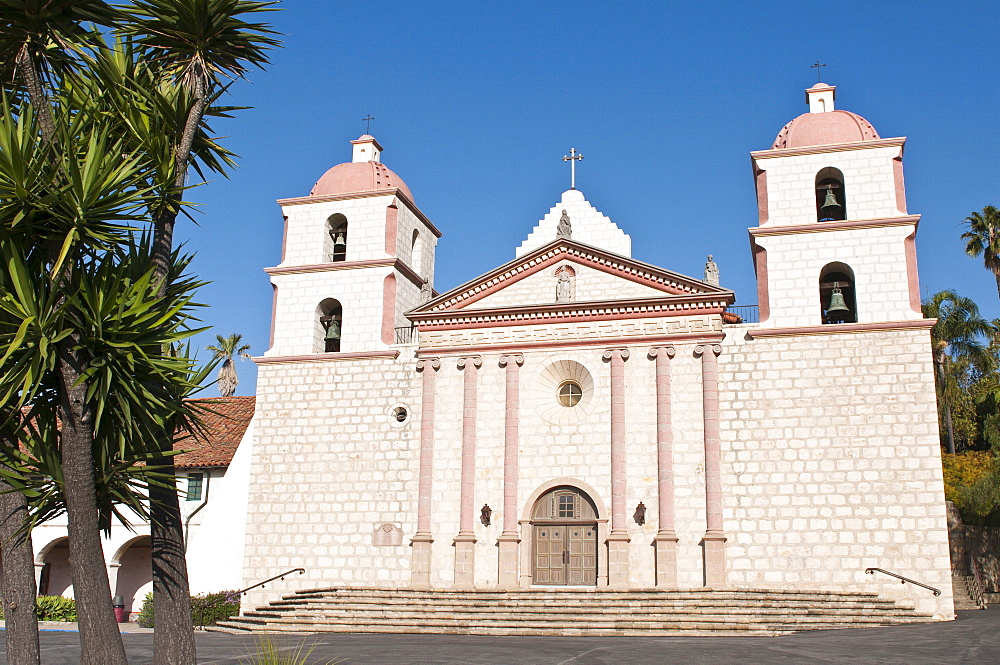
565	554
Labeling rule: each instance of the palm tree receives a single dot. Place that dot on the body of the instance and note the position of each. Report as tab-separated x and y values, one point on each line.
983	239
227	348
958	335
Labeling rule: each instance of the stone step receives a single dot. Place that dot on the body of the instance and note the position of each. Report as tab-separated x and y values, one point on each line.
432	618
333	601
570	612
962	586
358	609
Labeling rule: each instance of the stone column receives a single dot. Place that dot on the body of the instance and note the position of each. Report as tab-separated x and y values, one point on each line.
666	538
509	537
465	541
714	541
618	539
420	569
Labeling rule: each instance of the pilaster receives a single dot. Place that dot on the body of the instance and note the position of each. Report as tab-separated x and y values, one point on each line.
618	538
509	540
465	541
714	541
665	541
420	571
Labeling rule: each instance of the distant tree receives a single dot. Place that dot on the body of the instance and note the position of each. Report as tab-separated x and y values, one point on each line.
227	348
983	239
957	338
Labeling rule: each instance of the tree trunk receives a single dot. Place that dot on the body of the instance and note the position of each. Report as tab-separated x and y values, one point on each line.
100	639
951	431
28	70
997	275
173	640
18	576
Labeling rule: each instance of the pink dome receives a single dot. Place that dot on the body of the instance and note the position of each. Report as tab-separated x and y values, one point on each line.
352	177
824	129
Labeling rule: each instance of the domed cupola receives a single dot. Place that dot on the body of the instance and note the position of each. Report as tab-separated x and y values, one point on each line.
824	125
365	173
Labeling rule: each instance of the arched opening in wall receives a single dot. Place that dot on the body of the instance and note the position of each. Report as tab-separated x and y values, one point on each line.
55	579
565	283
330	316
336	231
135	573
564	538
837	294
416	253
831	202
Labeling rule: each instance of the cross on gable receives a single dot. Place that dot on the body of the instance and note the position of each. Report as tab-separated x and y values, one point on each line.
573	157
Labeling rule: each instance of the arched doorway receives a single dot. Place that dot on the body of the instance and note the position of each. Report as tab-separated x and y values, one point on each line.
564	538
135	572
55	578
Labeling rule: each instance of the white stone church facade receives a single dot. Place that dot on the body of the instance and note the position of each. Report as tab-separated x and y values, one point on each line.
577	417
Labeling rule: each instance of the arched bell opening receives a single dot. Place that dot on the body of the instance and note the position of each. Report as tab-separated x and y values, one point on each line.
416	253
336	241
837	294
831	202
330	316
564	538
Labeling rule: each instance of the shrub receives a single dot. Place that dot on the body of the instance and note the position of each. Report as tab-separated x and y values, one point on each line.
145	618
55	608
272	652
972	482
206	608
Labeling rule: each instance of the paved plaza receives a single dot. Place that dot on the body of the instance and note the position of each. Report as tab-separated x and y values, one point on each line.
972	639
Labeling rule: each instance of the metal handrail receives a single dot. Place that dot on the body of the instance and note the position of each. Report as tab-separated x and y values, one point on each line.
903	580
977	591
745	314
300	571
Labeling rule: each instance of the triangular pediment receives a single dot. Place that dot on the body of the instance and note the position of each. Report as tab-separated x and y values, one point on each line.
566	275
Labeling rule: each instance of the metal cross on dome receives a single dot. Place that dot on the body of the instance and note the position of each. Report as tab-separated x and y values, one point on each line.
368	123
573	157
819	76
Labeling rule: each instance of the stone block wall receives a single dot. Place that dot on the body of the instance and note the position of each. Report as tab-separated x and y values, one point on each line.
590	226
869	184
330	466
307	241
876	256
831	464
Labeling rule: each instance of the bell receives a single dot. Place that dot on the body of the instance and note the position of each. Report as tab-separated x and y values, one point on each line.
831	199
333	332
339	243
837	302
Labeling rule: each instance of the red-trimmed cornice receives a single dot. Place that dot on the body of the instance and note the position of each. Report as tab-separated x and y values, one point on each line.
395	263
671	306
834	328
839	225
318	357
659	279
833	147
601	343
391	191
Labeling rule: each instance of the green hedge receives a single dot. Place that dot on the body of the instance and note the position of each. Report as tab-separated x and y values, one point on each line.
53	608
206	608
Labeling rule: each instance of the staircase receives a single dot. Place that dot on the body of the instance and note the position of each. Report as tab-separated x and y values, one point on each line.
966	598
590	612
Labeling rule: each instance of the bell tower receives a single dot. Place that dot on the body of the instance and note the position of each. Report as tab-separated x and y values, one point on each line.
834	243
357	254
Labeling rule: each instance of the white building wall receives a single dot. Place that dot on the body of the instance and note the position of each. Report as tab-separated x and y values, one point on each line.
330	465
869	184
876	255
832	463
589	225
297	329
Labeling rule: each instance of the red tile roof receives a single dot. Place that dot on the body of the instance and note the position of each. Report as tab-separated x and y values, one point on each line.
225	421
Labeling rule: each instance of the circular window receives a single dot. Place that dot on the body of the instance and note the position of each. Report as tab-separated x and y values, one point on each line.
399	416
569	393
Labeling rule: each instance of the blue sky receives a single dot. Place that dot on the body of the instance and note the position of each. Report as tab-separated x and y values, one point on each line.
476	103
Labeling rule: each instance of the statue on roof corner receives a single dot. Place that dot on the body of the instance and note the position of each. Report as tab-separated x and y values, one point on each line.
564	230
711	272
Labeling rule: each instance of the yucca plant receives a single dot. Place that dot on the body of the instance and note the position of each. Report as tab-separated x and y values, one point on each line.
269	651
